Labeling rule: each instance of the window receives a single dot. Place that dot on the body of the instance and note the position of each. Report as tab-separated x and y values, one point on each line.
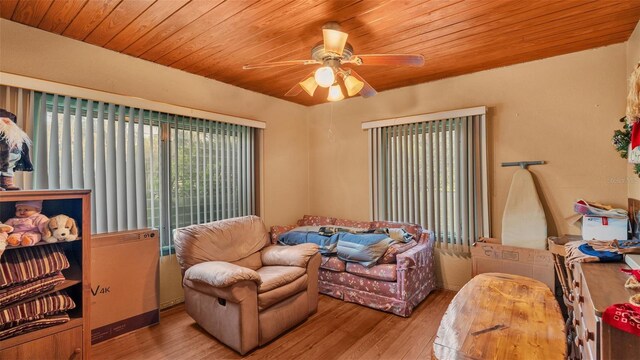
431	170
145	168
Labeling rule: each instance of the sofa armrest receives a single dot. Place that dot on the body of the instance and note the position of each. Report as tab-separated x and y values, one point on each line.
220	274
296	255
277	230
416	271
414	257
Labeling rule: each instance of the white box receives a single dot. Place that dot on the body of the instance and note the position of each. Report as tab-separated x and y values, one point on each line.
604	228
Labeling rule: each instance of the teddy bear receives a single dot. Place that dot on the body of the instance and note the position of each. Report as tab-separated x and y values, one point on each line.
60	228
4	231
28	224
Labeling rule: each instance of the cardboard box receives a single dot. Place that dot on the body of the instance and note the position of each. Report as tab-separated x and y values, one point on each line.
487	257
604	228
124	283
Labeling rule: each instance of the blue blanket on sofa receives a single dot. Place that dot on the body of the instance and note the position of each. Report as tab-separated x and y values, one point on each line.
363	248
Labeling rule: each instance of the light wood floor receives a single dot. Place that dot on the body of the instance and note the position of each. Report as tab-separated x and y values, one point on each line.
339	330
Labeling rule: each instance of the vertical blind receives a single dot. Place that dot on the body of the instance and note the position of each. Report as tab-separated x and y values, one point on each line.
145	168
211	171
432	173
82	144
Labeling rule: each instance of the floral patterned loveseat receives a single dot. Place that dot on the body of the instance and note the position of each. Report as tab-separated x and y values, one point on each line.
402	278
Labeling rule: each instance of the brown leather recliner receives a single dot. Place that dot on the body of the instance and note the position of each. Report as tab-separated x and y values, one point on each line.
240	289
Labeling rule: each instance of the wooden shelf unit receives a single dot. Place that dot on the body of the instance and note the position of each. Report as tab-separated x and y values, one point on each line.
71	340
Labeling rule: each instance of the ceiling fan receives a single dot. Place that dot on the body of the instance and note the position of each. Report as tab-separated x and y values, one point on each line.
332	53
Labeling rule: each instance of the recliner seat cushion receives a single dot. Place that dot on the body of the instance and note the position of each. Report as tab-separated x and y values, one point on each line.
276	276
220	274
269	298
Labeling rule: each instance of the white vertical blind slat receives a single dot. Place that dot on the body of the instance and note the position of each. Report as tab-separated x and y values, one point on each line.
78	163
132	214
464	216
409	177
66	176
41	178
101	213
89	168
216	172
437	226
141	190
416	174
111	193
373	183
212	199
120	169
54	157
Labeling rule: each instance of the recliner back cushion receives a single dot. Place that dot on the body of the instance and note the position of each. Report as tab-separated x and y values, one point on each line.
253	261
225	240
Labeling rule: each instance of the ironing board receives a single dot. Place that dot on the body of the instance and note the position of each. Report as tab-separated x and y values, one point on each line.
523	221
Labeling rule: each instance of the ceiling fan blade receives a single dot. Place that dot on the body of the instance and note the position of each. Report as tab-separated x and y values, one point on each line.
367	90
334	40
388	59
295	90
280	63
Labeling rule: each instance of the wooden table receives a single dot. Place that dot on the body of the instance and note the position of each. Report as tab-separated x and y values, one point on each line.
501	316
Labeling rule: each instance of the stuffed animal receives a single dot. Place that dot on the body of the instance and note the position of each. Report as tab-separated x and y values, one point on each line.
4	230
28	224
60	228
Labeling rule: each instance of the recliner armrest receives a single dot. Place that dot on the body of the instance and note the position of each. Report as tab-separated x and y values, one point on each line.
221	274
281	255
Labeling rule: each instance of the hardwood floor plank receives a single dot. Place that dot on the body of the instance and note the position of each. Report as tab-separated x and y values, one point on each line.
339	330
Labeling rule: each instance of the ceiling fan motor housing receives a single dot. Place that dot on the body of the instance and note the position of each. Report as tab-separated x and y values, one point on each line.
318	53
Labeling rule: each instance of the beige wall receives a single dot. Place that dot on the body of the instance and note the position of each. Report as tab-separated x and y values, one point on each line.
562	110
633	57
39	54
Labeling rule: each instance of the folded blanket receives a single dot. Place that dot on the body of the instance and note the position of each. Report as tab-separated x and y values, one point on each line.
603	256
37	324
35	309
575	255
365	249
326	244
22	291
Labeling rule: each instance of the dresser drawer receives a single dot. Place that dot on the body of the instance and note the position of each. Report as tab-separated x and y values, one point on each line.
65	345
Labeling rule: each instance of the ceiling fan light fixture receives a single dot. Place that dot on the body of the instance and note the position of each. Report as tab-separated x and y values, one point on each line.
335	94
353	85
309	85
325	76
334	40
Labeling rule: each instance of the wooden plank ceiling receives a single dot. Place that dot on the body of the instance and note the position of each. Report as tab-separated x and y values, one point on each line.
214	38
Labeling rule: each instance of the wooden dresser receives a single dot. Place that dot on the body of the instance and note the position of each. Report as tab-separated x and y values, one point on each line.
595	287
